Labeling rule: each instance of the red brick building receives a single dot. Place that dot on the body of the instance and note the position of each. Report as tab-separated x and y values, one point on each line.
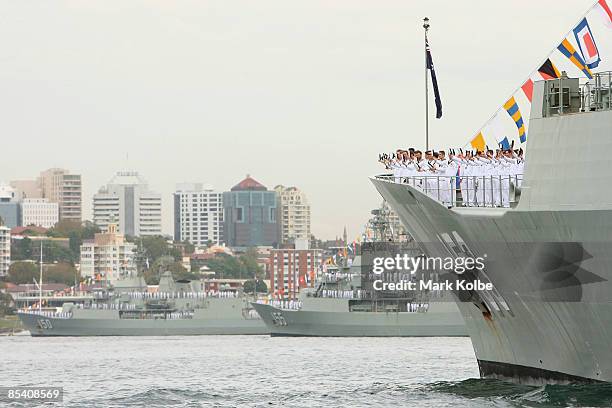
292	269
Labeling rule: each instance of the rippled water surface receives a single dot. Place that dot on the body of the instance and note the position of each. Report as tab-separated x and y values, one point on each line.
259	371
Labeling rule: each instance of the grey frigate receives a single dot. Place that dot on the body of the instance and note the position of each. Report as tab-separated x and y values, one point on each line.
340	307
344	304
549	255
128	309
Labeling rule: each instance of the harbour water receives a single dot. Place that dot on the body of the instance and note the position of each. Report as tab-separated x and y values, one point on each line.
259	371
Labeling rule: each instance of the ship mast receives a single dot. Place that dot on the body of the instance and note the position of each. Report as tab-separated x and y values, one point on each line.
40	280
426	27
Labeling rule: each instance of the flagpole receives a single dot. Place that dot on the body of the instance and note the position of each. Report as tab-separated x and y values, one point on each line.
426	27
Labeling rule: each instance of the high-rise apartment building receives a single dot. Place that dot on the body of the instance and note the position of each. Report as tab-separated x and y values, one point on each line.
108	257
5	249
57	186
39	212
294	213
63	188
250	215
127	202
198	214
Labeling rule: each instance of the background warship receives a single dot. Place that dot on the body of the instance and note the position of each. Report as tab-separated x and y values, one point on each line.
549	318
127	309
344	305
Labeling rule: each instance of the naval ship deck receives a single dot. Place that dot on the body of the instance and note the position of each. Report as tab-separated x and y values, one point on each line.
560	97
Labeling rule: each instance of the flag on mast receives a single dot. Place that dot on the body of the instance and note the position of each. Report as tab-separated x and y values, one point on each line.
430	66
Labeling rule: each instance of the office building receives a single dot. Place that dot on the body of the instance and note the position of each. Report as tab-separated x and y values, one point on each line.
39	212
10	208
250	215
198	214
127	202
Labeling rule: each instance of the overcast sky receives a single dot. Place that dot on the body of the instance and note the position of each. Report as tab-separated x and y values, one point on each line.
293	92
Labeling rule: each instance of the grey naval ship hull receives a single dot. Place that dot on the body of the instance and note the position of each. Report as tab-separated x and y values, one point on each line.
442	319
557	324
223	318
119	327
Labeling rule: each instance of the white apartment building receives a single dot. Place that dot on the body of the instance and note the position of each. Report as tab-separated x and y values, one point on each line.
108	257
39	212
198	214
295	213
127	202
5	250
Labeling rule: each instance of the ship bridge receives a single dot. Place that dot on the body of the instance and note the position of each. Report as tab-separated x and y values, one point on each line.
553	100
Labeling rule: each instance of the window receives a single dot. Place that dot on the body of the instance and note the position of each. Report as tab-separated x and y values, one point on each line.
272	215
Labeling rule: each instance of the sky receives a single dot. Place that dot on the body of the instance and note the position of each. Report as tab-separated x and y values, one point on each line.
303	92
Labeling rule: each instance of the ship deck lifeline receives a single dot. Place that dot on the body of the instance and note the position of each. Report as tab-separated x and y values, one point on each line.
549	258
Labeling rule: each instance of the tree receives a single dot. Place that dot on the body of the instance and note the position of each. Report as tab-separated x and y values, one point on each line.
63	228
22	272
242	267
157	246
225	266
21	249
7	306
61	273
261	286
249	260
54	252
76	232
188	247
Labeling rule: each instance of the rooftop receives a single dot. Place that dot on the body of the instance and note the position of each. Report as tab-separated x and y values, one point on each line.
249	183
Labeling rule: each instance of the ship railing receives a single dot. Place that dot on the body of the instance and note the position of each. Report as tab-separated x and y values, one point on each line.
284	304
179	315
565	95
341	294
597	93
157	315
181	295
45	313
108	306
466	191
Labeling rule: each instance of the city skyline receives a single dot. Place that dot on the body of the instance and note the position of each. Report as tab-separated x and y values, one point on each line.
208	92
